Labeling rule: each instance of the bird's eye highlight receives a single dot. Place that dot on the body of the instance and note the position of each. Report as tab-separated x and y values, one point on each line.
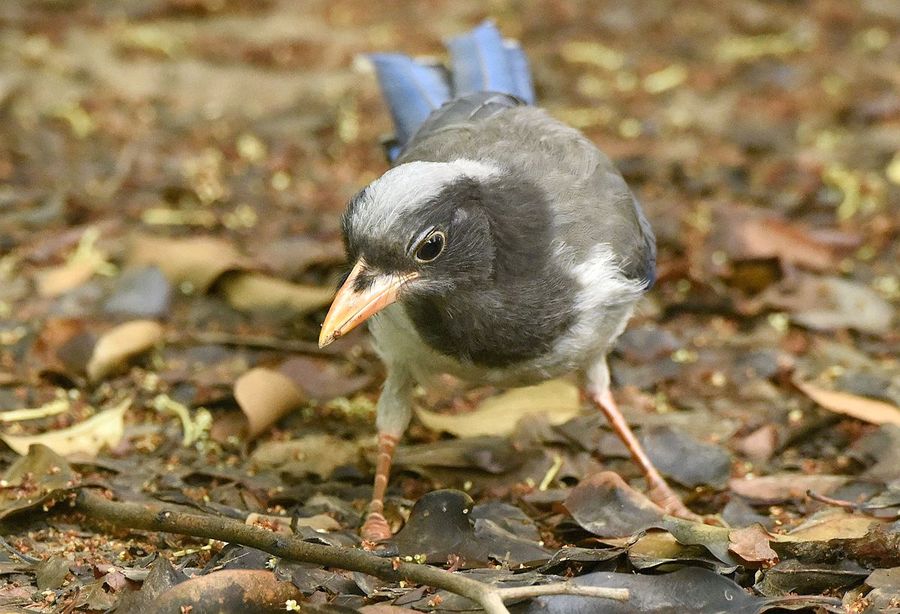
431	247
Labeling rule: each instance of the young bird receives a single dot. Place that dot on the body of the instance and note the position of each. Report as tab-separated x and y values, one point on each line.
502	247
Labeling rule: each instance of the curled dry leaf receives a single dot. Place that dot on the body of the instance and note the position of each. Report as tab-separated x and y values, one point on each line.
58	280
33	479
498	415
121	343
785	487
747	235
751	544
249	291
831	524
608	507
195	261
861	408
265	396
827	303
316	453
229	590
104	429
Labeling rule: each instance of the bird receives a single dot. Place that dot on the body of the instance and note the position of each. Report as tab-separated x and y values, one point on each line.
502	247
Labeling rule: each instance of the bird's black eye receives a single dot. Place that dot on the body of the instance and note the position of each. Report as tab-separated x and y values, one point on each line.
431	247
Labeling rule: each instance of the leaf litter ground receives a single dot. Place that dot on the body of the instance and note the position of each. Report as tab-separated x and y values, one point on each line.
171	179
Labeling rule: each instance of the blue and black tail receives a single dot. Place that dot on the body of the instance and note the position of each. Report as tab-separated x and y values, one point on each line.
480	61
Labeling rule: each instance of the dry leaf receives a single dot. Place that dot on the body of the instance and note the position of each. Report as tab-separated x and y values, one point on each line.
60	279
316	453
119	344
831	524
861	408
785	487
498	415
248	291
751	544
745	234
196	261
265	396
826	303
105	429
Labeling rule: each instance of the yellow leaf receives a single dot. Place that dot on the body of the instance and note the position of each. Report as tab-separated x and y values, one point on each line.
120	343
89	437
247	291
861	408
498	415
265	396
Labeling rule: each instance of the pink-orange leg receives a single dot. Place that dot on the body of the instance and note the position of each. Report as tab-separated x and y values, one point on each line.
376	528
659	491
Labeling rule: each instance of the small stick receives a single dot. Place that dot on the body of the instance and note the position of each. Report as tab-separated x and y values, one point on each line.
259	342
133	516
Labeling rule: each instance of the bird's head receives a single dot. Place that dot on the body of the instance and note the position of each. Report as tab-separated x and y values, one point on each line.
420	230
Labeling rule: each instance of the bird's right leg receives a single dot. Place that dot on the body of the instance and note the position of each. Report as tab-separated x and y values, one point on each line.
393	414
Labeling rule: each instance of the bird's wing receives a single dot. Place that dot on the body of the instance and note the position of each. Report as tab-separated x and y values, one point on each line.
464	111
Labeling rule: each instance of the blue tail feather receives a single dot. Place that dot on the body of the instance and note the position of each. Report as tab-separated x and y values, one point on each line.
520	71
412	90
480	61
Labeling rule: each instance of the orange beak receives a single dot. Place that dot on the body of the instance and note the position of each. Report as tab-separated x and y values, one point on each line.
352	307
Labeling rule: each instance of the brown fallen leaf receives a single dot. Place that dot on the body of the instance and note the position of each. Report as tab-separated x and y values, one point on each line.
826	303
316	453
43	469
498	415
80	266
785	487
120	343
89	437
745	234
322	379
608	507
250	291
830	524
751	544
861	408
229	590
265	396
197	261
58	280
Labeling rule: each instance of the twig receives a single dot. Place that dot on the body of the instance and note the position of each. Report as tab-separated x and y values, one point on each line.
260	342
19	555
132	516
832	501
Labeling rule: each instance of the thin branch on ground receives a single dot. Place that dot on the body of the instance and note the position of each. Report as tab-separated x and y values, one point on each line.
133	516
259	342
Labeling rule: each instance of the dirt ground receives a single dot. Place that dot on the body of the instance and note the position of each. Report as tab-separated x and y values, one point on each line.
172	174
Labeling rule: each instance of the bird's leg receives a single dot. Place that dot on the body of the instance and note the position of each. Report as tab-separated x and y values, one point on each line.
658	490
393	414
376	528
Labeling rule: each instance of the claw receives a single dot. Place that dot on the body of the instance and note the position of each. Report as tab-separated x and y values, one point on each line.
375	528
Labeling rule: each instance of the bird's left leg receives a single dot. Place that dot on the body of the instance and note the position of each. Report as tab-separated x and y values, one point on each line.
659	491
393	414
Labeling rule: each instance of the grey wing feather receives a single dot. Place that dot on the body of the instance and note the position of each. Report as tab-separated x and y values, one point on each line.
464	110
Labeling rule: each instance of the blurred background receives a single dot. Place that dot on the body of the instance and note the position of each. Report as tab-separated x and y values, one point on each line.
172	174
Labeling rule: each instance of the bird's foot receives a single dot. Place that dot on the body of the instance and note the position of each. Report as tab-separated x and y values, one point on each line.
663	496
375	528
